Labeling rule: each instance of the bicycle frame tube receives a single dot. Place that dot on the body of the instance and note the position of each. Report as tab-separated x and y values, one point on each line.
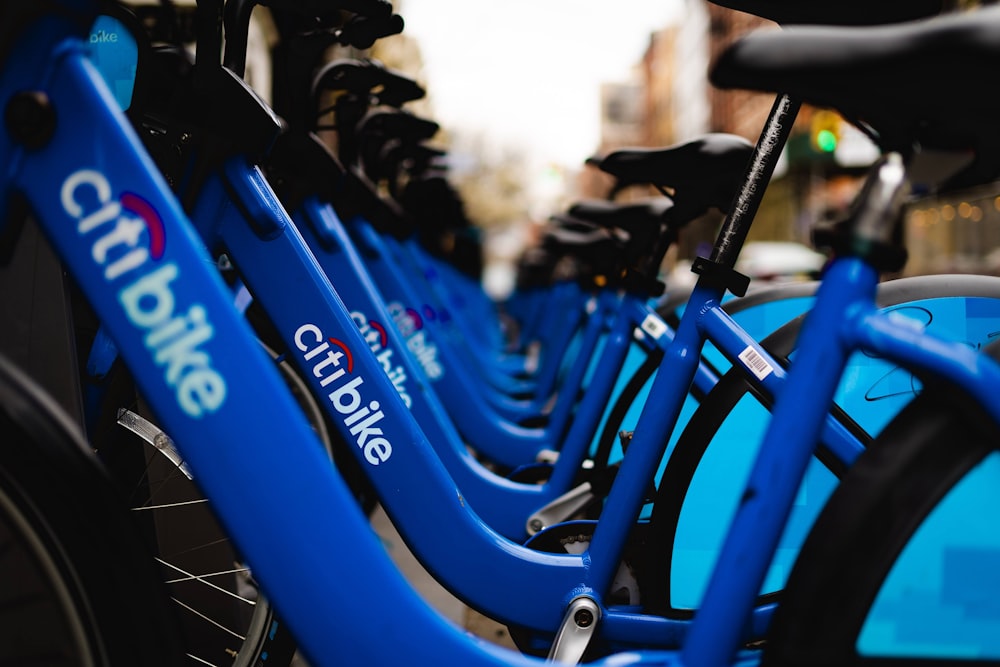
413	259
562	313
885	336
547	309
781	462
742	350
579	376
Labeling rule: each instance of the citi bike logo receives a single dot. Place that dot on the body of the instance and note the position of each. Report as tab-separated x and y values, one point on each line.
411	326
126	237
375	336
333	364
104	37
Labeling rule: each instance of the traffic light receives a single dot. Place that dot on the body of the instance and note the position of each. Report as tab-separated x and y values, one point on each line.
825	131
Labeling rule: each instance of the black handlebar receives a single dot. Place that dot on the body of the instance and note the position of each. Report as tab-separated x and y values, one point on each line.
361	77
362	31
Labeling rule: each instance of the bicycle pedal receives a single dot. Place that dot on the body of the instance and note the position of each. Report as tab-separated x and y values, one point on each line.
561	509
578	627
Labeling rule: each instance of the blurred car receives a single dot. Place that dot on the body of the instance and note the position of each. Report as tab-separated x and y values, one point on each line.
780	261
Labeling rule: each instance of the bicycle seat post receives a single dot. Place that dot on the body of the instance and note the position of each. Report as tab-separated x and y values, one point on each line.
236	21
208	48
741	213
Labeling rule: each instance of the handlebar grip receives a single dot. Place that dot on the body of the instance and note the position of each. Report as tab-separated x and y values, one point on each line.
362	31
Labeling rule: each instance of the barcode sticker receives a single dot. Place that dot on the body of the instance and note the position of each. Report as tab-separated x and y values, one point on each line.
755	363
654	326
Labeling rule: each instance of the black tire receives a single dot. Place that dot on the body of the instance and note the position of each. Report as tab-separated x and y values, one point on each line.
884	499
77	586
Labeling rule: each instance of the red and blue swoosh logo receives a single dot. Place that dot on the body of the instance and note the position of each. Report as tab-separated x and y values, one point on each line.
347	352
383	339
135	204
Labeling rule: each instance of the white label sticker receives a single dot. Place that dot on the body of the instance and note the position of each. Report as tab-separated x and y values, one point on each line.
755	363
654	326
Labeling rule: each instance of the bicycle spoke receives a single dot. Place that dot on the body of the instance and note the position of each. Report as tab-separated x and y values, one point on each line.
238	570
209	620
196	577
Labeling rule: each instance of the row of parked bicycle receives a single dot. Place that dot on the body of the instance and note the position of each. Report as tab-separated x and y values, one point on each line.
237	338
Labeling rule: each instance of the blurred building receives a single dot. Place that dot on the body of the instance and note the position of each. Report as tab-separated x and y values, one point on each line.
737	111
623	123
955	233
825	160
815	177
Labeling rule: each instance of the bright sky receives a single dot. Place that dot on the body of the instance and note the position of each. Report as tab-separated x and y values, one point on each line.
527	72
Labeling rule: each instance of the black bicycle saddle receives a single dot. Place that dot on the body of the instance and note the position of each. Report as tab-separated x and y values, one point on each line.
842	12
594	251
704	172
884	78
381	127
637	218
383	124
649	230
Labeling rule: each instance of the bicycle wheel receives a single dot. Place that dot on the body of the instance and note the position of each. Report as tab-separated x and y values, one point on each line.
703	476
224	619
901	565
77	586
